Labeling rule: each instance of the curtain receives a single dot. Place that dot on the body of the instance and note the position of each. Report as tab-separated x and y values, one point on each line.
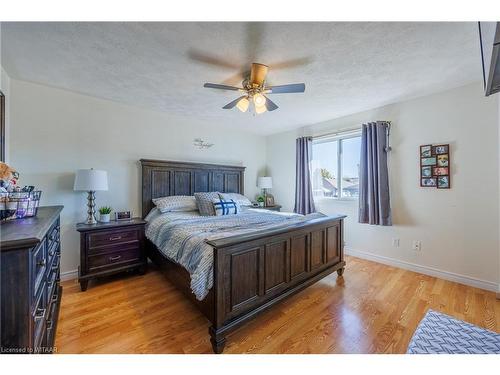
304	203
374	200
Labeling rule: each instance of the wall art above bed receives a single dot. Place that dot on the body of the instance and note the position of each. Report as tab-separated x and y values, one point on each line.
435	166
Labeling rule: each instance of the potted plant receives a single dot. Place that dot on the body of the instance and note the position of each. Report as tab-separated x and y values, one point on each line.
104	214
261	200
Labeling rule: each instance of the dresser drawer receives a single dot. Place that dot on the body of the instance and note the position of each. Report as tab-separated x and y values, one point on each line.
53	234
38	267
112	237
38	316
127	254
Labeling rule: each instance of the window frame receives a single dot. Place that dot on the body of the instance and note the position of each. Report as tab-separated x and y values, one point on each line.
339	138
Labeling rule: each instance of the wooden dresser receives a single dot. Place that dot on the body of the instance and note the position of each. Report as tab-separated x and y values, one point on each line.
30	276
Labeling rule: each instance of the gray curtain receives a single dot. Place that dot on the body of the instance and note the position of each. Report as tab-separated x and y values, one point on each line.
374	200
304	203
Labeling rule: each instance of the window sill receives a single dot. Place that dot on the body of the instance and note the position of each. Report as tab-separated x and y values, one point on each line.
332	199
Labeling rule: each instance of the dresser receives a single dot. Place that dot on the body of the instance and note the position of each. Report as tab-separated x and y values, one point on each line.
30	276
109	248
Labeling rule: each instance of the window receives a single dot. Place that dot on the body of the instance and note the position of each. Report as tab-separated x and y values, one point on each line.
334	157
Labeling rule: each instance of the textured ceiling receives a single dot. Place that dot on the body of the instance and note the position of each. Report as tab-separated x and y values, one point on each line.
347	67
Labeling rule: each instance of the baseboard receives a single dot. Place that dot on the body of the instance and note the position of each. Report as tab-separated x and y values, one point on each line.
466	280
69	275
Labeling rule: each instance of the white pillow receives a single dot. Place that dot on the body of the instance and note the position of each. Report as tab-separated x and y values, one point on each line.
240	199
176	203
224	207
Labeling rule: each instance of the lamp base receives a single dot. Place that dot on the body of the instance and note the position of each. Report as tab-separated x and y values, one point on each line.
91	208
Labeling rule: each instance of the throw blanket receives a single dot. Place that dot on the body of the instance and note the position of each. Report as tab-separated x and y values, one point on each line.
183	239
441	334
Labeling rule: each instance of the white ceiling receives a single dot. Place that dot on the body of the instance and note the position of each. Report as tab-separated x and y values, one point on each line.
347	67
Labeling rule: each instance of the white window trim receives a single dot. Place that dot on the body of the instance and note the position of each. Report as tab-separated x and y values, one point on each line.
340	136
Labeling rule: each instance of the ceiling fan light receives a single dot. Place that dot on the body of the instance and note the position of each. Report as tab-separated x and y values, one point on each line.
259	100
243	104
260	109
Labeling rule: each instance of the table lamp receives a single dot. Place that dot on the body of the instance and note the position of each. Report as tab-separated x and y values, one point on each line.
91	180
265	183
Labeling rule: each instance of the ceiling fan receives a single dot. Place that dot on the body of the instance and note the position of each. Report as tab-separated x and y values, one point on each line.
255	90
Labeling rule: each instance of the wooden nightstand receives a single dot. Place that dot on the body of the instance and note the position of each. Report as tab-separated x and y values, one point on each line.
107	248
276	207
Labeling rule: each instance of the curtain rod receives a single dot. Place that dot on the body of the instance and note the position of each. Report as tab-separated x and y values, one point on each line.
348	130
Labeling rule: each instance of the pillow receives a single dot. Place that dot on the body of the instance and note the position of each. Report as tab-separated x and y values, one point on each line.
176	203
225	207
240	199
205	202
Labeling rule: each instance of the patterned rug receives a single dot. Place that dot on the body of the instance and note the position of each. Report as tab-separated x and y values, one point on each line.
441	334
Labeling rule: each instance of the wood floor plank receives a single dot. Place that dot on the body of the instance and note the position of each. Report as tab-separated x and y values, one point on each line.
374	308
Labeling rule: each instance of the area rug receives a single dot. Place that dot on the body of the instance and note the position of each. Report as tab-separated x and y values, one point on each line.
441	334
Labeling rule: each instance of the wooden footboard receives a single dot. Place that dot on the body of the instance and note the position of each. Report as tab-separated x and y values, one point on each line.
254	272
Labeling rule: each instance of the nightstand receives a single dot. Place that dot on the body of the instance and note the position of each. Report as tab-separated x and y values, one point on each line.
108	248
276	207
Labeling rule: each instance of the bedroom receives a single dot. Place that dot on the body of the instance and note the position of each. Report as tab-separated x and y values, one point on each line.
181	275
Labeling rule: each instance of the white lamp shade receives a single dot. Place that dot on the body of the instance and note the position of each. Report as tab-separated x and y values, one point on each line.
91	180
265	182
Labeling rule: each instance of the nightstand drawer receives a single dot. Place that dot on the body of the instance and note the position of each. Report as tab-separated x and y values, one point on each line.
111	237
127	254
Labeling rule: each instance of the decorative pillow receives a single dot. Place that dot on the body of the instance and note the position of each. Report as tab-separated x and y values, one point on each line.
205	203
225	207
176	203
240	199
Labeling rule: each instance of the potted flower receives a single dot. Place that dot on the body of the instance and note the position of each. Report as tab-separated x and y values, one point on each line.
104	214
261	200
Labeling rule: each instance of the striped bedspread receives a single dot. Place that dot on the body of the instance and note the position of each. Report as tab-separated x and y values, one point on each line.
181	238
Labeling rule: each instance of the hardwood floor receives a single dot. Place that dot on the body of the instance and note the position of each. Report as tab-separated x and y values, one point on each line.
374	308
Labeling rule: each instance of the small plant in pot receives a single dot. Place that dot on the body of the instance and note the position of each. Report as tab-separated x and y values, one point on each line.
261	200
105	214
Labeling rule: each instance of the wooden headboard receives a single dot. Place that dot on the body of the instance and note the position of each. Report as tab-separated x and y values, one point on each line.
161	178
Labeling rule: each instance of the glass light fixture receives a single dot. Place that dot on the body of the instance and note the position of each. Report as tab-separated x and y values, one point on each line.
243	104
260	109
259	100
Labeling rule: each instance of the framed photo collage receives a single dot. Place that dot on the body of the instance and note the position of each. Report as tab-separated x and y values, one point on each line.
435	166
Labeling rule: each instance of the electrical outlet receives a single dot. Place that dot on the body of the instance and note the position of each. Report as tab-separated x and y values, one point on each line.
395	242
417	245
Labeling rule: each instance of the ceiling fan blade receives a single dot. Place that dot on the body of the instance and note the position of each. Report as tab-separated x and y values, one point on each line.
206	58
270	105
221	87
233	103
258	74
288	89
293	63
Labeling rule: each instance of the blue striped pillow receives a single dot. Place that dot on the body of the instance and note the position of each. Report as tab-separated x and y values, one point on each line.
225	207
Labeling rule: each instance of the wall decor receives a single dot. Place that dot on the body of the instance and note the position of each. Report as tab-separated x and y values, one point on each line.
201	144
435	166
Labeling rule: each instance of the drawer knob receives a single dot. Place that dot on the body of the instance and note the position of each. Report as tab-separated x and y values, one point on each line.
115	258
41	263
115	238
54	298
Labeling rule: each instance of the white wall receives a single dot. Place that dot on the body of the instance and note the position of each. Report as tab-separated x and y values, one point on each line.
56	132
458	227
5	88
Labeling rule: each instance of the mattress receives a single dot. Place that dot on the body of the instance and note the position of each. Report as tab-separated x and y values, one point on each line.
181	237
438	333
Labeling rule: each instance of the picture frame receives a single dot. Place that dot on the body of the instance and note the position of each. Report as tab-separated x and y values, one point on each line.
425	151
443	182
426	171
443	160
428	182
428	161
269	200
123	215
435	166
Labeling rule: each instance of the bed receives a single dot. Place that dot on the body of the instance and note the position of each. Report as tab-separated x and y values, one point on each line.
252	270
